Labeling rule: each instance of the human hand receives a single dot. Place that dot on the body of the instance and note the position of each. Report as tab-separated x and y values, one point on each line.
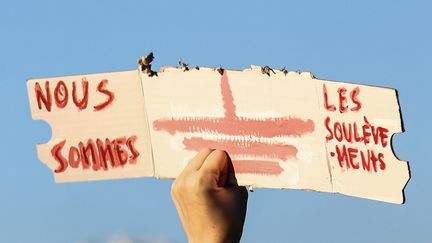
210	209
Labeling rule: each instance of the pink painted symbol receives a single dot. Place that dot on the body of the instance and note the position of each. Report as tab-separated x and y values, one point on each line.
238	132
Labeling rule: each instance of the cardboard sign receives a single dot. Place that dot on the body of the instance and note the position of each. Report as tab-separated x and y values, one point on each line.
281	129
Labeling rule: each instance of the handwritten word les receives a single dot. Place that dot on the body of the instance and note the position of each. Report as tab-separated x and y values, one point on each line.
61	95
343	100
118	152
352	133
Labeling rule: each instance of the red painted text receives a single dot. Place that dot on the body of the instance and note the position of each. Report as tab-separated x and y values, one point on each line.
61	95
96	154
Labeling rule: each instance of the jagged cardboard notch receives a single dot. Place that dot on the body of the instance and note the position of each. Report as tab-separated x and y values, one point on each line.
282	129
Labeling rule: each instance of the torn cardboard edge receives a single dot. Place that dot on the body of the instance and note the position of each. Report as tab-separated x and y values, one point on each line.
145	105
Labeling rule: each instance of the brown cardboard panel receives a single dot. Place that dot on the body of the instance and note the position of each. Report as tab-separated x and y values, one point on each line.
283	130
99	126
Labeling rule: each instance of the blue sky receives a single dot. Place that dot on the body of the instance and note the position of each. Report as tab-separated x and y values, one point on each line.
385	43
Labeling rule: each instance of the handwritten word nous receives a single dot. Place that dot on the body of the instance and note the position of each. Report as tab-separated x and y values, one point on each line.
61	95
118	152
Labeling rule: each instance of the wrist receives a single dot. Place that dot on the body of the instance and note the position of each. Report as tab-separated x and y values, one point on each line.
208	238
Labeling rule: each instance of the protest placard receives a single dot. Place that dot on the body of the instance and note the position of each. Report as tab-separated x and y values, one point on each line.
282	129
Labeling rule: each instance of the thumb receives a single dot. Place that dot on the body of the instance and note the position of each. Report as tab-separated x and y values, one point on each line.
216	166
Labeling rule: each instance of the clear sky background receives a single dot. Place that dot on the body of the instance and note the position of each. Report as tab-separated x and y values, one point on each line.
385	43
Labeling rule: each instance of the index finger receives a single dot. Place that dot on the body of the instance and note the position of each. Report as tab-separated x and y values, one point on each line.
196	163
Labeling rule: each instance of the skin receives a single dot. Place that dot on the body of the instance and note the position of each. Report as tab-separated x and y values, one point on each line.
211	206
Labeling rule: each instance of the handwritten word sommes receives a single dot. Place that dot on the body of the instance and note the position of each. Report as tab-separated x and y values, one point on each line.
350	133
62	93
99	154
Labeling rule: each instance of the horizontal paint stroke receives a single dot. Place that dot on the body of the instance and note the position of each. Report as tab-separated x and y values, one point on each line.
259	167
251	148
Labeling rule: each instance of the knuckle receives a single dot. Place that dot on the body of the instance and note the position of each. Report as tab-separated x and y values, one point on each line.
206	150
173	195
220	154
185	185
176	187
193	184
202	181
